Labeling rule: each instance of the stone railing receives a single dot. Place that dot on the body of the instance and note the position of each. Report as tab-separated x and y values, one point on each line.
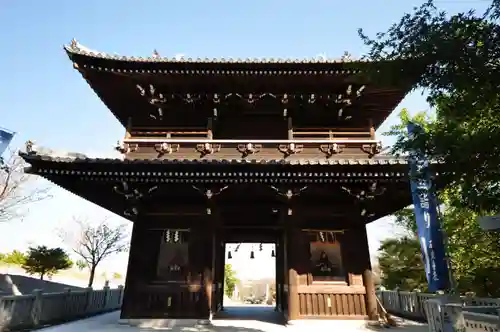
444	312
40	309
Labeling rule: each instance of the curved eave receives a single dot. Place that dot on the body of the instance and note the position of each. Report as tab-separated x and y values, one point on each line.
260	66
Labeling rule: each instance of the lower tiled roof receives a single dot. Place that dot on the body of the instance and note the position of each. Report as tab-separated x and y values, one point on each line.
378	160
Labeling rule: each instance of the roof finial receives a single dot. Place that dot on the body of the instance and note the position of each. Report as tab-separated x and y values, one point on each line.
74	43
156	55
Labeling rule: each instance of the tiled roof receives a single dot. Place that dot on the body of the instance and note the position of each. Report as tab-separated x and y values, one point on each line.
75	48
378	160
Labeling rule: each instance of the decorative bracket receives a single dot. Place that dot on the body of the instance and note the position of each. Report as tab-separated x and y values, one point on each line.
372	149
248	149
369	194
289	149
209	194
331	149
364	213
125	148
132	196
166	148
207	148
288	193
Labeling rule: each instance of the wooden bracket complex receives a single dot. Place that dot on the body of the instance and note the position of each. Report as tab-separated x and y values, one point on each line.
208	148
292	148
331	149
133	197
248	149
372	149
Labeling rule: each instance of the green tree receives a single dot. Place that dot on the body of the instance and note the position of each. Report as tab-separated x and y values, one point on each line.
2	257
46	261
475	254
81	264
400	263
456	60
15	257
230	280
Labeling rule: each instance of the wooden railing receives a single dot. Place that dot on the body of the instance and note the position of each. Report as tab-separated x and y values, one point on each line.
32	311
465	313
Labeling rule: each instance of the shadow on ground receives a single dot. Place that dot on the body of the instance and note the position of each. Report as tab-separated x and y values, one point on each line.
109	323
265	314
13	284
403	325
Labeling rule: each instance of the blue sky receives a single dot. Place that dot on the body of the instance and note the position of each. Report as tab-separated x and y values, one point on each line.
43	98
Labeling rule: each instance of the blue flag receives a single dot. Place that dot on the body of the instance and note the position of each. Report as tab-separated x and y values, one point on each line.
6	137
429	229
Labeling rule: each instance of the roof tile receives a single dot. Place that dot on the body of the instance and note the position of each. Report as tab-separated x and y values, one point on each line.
379	160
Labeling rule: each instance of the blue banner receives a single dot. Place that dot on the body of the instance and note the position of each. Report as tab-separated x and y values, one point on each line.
428	226
6	137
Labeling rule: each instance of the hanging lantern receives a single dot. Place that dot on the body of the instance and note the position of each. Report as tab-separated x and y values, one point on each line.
260	247
273	254
252	255
229	255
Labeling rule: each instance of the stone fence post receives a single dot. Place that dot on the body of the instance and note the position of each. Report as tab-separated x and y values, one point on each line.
106	295
120	298
66	299
36	309
88	290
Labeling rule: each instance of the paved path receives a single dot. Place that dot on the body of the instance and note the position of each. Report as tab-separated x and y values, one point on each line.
236	319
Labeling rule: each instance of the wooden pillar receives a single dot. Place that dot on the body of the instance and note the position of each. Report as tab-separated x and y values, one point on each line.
370	297
292	233
142	265
200	257
129	278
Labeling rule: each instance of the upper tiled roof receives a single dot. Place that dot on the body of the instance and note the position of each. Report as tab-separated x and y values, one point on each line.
75	48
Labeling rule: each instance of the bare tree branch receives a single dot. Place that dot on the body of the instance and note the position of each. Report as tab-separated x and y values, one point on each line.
96	243
17	189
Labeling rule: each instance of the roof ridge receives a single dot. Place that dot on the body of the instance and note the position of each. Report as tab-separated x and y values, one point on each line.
75	48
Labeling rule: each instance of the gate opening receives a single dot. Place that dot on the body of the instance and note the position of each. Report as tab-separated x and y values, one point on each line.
250	274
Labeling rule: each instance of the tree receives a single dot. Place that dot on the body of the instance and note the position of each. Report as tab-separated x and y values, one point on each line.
16	188
93	244
400	264
456	60
15	257
81	264
230	280
117	276
474	253
46	261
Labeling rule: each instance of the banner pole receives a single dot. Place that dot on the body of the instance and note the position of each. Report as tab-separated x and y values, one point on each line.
451	280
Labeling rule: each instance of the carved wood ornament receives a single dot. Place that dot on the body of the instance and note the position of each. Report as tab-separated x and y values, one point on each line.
288	193
365	195
210	193
133	197
125	148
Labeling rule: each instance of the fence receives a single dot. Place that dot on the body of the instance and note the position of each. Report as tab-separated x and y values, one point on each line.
41	309
444	312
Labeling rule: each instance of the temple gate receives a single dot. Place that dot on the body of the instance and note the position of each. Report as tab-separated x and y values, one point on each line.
218	151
